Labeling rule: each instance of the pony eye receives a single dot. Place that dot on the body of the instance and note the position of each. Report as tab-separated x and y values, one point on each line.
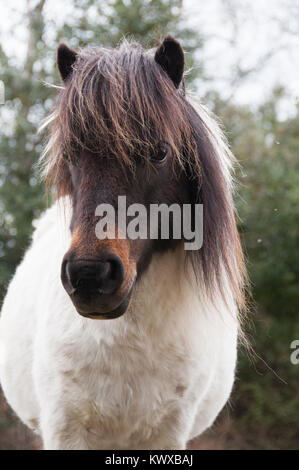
160	154
69	159
66	157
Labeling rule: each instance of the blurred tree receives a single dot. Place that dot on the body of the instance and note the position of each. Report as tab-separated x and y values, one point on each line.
268	148
28	99
146	21
21	195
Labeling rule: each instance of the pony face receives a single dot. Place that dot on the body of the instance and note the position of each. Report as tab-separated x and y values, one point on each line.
100	274
123	146
123	127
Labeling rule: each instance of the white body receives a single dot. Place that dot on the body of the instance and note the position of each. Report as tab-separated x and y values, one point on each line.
151	379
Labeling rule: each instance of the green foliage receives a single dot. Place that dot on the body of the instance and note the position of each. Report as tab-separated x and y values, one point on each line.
21	195
268	149
145	21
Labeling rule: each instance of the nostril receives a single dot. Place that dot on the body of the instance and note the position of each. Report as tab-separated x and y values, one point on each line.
111	277
104	272
116	270
66	278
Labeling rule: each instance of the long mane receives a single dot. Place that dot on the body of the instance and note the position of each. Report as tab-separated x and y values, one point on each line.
119	100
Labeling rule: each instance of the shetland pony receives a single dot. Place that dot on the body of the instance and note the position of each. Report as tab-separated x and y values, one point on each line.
125	343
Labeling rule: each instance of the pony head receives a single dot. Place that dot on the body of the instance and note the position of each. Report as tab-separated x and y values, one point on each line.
123	126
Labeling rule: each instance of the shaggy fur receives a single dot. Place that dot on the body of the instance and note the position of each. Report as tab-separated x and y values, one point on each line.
116	100
158	375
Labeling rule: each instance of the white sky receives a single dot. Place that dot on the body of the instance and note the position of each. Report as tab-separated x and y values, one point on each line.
227	46
259	33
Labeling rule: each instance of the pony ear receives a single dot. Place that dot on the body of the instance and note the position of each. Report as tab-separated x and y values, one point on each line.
65	59
170	56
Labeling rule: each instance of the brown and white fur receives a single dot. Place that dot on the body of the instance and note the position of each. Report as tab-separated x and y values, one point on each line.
150	361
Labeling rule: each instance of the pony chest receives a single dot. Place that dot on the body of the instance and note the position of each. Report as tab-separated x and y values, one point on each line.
142	373
131	384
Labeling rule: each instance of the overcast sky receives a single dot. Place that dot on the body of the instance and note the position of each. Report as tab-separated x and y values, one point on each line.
245	40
